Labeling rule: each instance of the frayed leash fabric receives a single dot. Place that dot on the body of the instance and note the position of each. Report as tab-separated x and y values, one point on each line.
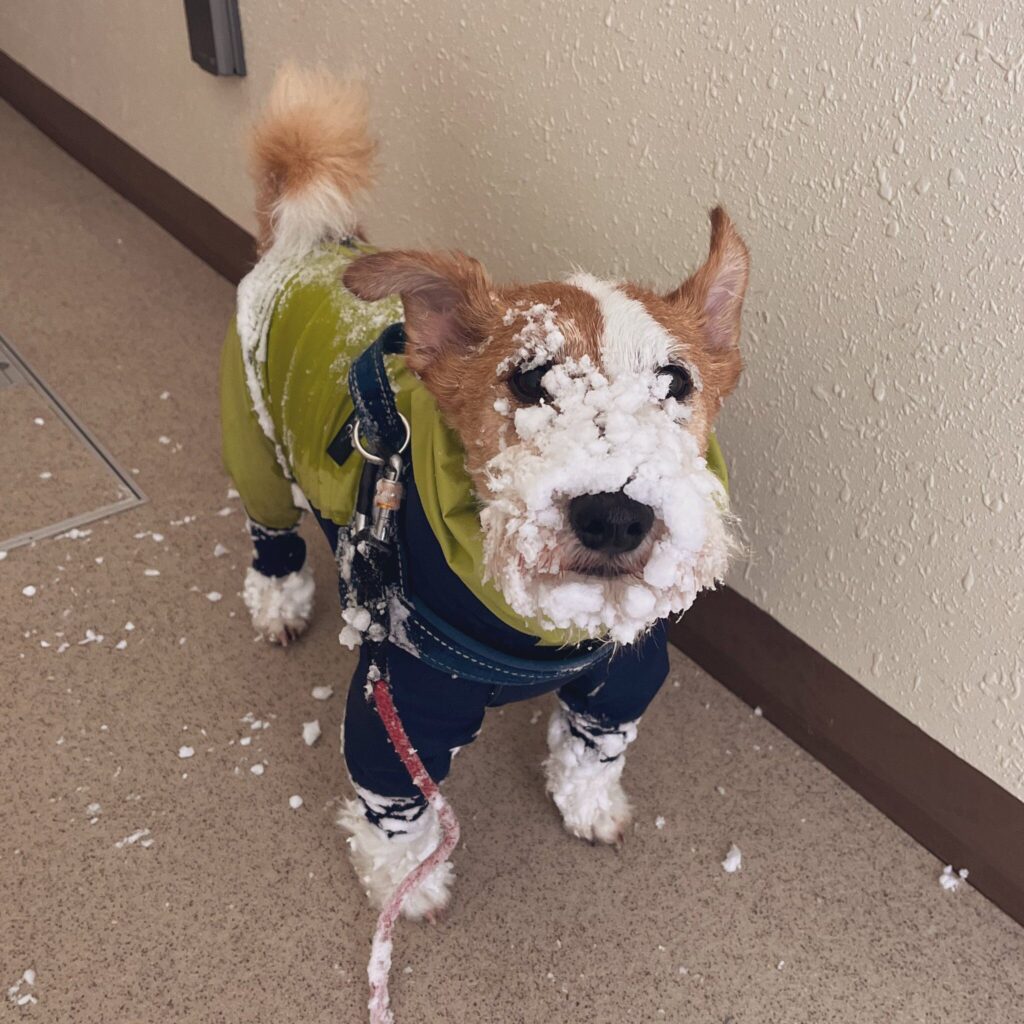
379	969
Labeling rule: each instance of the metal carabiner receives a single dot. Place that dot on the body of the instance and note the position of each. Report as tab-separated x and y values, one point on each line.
387	498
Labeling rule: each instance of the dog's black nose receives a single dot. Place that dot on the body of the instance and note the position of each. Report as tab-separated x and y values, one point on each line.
610	522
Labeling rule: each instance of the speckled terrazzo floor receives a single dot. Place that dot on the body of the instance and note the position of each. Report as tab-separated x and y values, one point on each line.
242	910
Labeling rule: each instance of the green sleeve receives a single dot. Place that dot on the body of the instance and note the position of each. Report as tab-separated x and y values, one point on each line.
248	453
716	462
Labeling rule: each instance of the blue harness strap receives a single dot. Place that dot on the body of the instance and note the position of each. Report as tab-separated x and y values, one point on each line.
375	578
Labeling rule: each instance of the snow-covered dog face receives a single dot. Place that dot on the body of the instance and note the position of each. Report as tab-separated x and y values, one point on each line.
584	408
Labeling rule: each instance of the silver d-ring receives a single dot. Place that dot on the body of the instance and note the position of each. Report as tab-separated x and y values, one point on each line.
376	460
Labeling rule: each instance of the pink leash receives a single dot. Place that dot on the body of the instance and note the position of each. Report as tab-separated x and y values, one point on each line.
379	968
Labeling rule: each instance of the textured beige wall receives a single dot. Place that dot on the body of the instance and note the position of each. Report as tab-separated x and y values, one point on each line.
873	153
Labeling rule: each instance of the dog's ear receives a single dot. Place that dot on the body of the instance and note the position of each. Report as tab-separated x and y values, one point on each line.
716	290
443	294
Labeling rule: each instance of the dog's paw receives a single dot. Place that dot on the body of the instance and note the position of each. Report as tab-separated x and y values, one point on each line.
382	861
586	785
280	606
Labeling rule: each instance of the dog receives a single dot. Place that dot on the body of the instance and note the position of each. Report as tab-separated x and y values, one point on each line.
564	491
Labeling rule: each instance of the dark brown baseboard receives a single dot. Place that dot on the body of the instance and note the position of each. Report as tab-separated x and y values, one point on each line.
962	816
946	805
214	238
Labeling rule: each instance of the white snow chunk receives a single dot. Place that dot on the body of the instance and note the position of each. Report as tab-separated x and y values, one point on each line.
164	395
214	596
225	511
758	712
245	741
311	732
322	692
257	769
219	551
29	591
295	802
74	534
184	752
659	822
39	421
733	860
164	439
132	838
91	637
950	880
151	572
350	637
3	555
120	645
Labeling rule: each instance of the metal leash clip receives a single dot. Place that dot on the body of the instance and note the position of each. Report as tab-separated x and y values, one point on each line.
387	499
379	494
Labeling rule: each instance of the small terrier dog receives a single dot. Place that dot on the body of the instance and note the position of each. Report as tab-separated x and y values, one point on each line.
564	492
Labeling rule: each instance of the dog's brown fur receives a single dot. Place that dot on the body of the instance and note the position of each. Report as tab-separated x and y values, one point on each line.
314	129
458	338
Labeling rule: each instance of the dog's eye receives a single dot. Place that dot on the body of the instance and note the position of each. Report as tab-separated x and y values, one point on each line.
526	385
680	383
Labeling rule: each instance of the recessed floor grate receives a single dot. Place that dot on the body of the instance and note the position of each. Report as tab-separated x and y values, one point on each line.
54	475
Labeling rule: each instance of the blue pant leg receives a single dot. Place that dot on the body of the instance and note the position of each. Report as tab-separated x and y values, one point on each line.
438	713
621	690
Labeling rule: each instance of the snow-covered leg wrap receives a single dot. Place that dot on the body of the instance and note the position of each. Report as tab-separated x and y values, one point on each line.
280	606
401	835
583	771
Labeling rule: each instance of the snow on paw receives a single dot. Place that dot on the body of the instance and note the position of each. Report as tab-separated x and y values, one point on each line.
280	606
585	781
382	861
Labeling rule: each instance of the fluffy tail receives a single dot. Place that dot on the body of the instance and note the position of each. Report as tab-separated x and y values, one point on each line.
311	154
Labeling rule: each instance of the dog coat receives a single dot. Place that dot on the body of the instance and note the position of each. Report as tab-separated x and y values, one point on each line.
284	400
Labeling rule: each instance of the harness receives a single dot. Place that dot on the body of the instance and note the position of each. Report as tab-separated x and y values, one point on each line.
371	555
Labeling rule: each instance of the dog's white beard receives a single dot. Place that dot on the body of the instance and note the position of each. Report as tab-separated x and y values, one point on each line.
595	436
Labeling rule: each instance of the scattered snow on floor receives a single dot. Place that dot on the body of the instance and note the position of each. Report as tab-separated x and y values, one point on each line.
151	572
950	880
140	836
19	998
322	692
74	534
214	596
257	769
219	551
245	741
120	645
659	822
758	711
185	752
91	637
295	802
311	732
733	860
29	591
